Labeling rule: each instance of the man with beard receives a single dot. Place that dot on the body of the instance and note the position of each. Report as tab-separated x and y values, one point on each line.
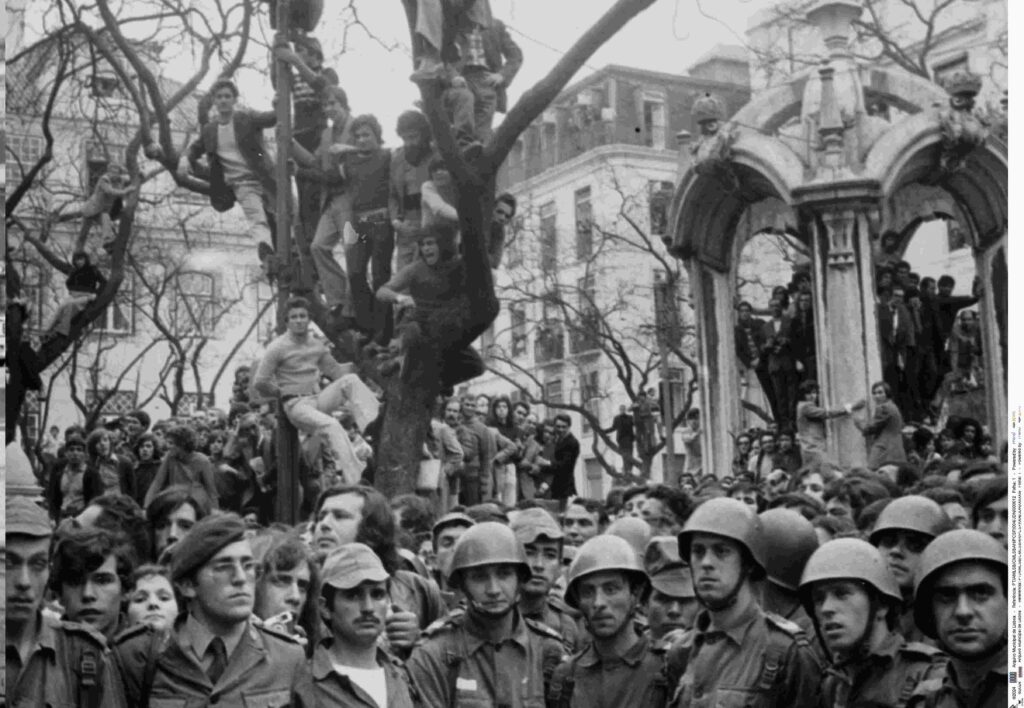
349	666
738	651
854	600
489	654
903	530
215	653
537	530
49	662
961	600
617	667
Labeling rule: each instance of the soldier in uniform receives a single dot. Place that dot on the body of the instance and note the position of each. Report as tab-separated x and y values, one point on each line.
607	584
855	602
215	653
350	668
789	540
903	530
542	539
445	533
961	600
49	662
488	654
739	654
673	604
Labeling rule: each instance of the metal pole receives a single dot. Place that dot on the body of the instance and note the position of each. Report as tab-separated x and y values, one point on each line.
286	503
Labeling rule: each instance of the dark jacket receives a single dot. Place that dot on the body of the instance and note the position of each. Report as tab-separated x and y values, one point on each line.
503	57
778	347
563	467
895	338
249	126
92	483
750	342
86	279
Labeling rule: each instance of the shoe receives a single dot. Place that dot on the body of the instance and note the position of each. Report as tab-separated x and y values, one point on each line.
427	70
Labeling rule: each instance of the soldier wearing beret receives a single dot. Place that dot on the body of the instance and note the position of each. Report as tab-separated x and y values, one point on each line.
214	652
49	662
349	667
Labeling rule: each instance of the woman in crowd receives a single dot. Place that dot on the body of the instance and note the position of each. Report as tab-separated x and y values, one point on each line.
171	515
150	598
105	471
184	466
147	462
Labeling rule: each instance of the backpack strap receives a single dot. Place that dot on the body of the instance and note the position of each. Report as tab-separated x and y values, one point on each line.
563	683
82	664
779	642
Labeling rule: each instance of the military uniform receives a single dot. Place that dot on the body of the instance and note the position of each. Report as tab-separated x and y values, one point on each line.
266	669
560	617
588	680
334	689
68	659
889	675
763	661
944	692
453	666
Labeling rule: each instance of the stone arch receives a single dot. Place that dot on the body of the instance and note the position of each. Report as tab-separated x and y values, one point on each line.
914	203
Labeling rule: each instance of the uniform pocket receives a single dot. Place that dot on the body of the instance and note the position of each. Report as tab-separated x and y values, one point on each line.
736	698
268	699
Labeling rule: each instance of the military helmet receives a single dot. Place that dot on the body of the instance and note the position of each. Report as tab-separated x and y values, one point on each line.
947	549
605	553
912	513
848	559
487	543
729	518
452	518
789	540
529	525
636	532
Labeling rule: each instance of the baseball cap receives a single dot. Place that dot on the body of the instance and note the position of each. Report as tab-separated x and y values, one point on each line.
531	524
349	566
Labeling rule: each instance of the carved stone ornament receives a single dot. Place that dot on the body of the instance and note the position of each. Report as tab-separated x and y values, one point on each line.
963	129
712	152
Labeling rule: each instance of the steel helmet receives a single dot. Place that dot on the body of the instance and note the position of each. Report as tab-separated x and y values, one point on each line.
454	518
731	519
487	543
789	540
912	513
636	532
947	549
605	553
848	559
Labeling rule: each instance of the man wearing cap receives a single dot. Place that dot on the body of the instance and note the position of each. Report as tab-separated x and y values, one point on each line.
902	532
617	667
739	653
214	652
854	600
961	600
488	655
349	667
49	662
445	534
542	539
673	604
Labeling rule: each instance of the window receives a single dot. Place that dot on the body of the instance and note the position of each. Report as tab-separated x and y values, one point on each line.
112	402
585	330
32	281
190	403
590	393
98	156
548	238
654	122
23	150
518	314
264	294
550	342
584	224
659	197
194	304
487	340
514	246
942	71
30	414
119	317
553	391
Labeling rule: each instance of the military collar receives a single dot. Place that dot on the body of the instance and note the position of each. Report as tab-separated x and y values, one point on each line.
475	640
884	654
195	637
632	658
737	633
322	666
996	664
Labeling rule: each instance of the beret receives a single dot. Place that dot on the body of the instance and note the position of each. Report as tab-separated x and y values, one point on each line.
201	544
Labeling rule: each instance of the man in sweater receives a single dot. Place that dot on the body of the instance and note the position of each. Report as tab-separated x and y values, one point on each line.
291	370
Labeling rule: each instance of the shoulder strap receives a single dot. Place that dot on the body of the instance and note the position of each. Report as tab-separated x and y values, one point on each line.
149	673
778	644
563	683
82	664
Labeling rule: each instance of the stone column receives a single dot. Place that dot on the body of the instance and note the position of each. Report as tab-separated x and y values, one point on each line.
712	292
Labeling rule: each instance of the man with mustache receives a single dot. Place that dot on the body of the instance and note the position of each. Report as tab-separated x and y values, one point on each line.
49	662
349	666
608	584
490	654
738	651
214	653
961	600
854	600
903	530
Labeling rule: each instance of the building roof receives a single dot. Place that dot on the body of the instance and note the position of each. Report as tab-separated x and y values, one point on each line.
723	52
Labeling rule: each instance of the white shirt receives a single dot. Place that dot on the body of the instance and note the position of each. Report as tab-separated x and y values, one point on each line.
235	168
372	681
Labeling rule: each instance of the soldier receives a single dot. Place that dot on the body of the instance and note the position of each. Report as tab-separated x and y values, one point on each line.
673	604
445	534
738	651
961	600
214	653
855	601
789	540
349	667
49	662
617	668
903	530
489	654
542	539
